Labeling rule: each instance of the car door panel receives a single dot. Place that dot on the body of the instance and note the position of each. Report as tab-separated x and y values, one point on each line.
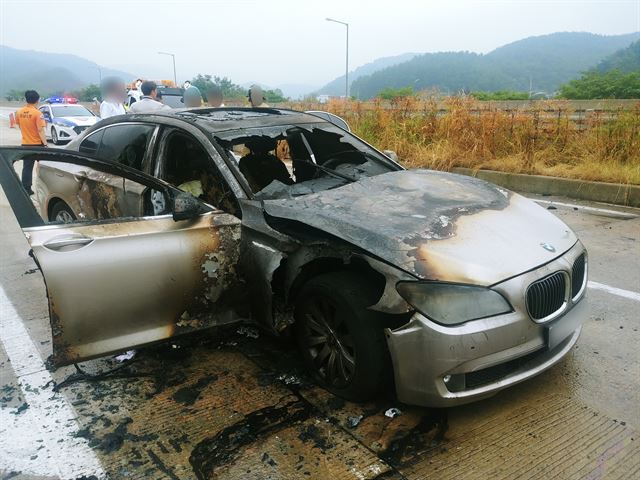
125	282
135	282
90	194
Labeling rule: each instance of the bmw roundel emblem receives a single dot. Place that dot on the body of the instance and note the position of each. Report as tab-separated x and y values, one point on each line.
548	247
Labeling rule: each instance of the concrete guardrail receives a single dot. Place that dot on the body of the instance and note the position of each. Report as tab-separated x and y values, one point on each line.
614	193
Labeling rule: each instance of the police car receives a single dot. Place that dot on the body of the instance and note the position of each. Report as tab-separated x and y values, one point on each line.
65	121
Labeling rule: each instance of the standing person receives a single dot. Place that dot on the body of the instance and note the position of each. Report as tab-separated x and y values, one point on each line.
192	97
256	97
214	96
31	123
135	94
149	102
113	92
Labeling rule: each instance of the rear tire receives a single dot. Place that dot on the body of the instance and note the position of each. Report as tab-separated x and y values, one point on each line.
342	342
62	213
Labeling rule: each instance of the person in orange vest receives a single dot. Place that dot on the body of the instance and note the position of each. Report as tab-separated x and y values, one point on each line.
31	123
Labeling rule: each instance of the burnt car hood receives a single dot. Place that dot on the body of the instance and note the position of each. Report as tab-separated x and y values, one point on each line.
435	225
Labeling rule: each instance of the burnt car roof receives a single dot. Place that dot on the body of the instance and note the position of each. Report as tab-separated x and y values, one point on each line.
232	118
213	120
229	118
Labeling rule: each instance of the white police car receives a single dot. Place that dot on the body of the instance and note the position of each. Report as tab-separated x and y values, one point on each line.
65	121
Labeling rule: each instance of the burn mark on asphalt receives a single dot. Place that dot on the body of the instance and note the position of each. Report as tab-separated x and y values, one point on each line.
113	441
161	466
427	434
221	449
188	395
311	433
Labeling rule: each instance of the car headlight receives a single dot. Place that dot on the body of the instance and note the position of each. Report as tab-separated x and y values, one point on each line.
451	304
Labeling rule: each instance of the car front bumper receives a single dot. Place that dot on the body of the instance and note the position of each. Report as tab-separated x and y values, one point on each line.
67	133
445	366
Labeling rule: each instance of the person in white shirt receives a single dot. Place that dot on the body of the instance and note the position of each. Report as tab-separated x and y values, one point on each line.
113	92
135	93
148	103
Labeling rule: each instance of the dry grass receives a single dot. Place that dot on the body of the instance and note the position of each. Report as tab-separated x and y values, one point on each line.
551	138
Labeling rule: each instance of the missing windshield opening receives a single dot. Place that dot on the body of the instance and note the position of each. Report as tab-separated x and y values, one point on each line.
289	161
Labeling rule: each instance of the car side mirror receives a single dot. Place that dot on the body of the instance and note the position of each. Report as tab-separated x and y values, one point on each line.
185	206
391	154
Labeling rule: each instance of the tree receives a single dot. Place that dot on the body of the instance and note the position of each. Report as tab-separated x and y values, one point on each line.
501	95
274	96
595	84
393	93
88	93
230	91
14	94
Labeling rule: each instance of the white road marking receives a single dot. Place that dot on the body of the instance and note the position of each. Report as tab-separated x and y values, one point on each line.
601	211
41	439
615	291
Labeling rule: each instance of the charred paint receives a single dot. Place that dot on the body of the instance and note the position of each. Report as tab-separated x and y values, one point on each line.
392	214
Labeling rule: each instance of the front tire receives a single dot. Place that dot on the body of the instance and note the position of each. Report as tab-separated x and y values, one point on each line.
343	342
54	136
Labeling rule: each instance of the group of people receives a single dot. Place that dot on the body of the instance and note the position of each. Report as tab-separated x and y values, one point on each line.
147	100
145	97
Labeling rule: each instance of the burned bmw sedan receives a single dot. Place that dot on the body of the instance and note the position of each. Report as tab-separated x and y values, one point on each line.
149	226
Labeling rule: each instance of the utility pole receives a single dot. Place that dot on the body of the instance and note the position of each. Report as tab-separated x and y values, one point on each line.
99	73
346	73
173	57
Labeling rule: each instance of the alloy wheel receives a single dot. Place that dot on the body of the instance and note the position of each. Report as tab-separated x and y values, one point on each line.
329	342
64	216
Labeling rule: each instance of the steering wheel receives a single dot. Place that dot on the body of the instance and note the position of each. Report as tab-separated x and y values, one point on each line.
337	159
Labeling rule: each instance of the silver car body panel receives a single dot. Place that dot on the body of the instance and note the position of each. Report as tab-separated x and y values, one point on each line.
425	352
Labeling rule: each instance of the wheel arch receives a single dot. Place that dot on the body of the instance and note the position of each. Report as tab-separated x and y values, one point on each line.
51	203
291	278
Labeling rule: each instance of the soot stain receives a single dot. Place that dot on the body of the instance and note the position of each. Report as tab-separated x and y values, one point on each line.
188	395
410	444
113	441
225	446
311	433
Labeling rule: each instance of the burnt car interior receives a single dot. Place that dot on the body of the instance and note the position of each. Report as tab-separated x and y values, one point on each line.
105	191
288	161
187	165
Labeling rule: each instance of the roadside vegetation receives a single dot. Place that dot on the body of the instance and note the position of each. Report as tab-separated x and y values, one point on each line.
546	138
596	84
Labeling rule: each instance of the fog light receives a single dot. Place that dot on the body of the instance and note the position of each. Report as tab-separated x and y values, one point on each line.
447	378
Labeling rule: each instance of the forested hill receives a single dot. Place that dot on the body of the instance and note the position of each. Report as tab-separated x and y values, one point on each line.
626	60
336	87
48	72
546	61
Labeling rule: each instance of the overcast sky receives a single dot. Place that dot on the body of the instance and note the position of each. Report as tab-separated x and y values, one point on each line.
288	41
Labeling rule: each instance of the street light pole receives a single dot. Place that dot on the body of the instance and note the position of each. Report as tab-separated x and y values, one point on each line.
99	73
175	78
346	73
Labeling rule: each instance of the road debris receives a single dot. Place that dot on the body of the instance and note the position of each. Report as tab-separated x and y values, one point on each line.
125	356
289	379
354	421
393	412
249	332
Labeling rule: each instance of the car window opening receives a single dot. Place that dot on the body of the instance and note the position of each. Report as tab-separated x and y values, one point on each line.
289	161
188	167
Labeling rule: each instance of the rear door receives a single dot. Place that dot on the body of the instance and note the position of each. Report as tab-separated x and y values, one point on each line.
121	281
